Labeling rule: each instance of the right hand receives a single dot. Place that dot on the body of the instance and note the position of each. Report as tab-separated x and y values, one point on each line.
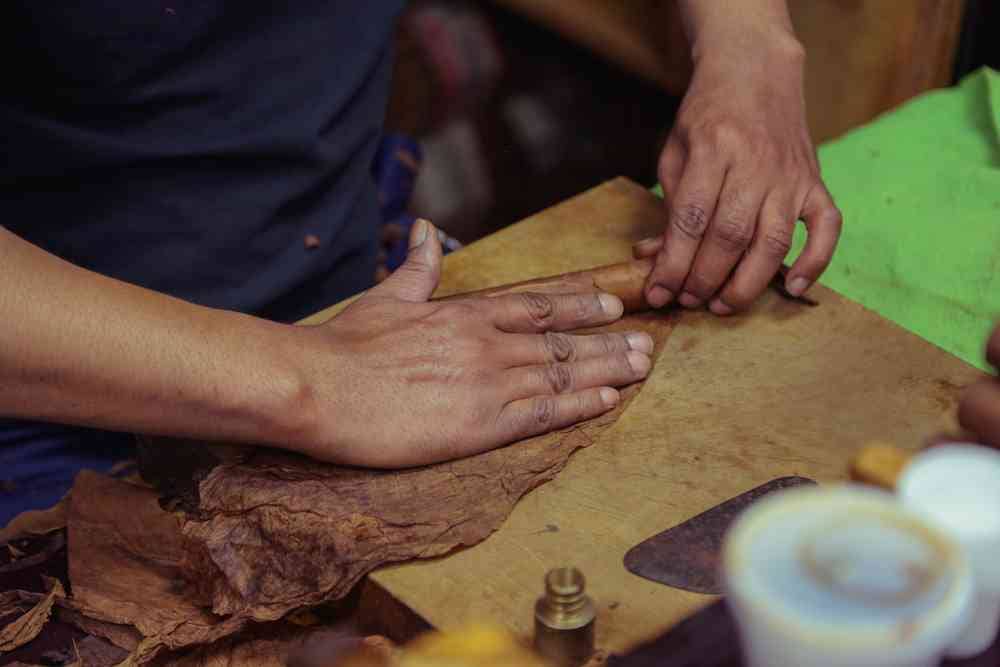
979	410
396	380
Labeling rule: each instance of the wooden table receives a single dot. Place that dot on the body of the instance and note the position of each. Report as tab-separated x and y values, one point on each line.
731	403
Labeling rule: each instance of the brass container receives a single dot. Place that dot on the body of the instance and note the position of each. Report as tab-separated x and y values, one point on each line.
564	619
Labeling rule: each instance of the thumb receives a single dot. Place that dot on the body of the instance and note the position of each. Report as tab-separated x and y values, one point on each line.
418	277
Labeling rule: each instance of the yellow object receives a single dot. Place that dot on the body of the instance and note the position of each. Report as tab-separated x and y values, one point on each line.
473	646
879	464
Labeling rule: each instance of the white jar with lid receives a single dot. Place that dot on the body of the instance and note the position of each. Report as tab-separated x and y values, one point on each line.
836	577
957	488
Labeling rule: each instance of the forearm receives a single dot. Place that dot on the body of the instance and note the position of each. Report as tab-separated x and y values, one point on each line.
714	26
80	348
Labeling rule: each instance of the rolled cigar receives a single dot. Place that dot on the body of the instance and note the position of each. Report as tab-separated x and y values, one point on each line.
624	280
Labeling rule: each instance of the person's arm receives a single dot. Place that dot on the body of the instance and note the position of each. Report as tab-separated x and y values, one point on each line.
391	381
739	167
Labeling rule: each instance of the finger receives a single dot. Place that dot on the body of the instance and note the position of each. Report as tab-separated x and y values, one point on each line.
530	349
979	411
565	378
541	414
993	348
728	237
647	247
532	312
418	277
691	208
771	242
671	165
823	223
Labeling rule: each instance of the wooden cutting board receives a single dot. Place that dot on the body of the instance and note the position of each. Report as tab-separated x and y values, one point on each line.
731	404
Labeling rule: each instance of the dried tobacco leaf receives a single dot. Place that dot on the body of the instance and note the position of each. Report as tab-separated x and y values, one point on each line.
34	609
125	567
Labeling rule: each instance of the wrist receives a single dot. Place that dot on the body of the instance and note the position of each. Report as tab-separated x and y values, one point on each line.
278	396
773	46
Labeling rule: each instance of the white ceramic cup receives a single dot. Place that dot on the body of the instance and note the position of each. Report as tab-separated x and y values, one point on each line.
957	487
843	576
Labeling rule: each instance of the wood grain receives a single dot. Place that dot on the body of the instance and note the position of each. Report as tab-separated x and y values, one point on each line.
730	404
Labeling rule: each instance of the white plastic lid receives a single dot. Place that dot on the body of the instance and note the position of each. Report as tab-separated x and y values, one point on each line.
846	569
957	487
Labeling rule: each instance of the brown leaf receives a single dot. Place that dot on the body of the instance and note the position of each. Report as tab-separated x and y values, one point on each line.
123	636
35	522
125	567
30	623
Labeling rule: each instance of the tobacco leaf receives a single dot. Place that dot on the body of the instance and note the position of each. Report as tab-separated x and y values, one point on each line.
126	560
35	522
123	636
34	610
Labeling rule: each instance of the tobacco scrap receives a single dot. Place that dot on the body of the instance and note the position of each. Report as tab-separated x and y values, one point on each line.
34	610
126	568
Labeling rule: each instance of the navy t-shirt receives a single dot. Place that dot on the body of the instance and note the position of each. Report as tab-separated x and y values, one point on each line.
192	147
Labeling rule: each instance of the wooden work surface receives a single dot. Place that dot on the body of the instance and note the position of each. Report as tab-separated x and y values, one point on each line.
731	404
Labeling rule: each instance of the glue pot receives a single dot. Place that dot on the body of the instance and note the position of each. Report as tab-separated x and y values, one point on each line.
831	577
956	487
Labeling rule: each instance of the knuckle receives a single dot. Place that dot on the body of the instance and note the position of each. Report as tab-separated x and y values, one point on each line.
559	346
691	219
613	343
621	366
726	135
776	243
733	233
543	412
557	377
538	307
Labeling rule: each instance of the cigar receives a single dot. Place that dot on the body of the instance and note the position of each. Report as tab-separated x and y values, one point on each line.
624	280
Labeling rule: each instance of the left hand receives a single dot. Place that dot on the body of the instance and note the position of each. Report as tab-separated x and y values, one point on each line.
979	410
737	171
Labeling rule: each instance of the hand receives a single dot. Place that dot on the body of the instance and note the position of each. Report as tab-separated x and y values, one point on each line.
737	171
979	410
398	381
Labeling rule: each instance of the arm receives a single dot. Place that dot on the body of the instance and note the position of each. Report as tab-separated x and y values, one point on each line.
394	380
739	167
81	348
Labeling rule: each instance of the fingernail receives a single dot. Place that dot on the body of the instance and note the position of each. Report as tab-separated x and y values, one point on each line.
798	286
646	242
658	296
689	300
639	362
420	230
720	308
609	396
612	305
639	342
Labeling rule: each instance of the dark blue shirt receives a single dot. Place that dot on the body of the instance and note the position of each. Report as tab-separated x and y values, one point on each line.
189	146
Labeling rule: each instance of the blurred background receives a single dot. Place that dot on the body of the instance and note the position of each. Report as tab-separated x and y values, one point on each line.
518	104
